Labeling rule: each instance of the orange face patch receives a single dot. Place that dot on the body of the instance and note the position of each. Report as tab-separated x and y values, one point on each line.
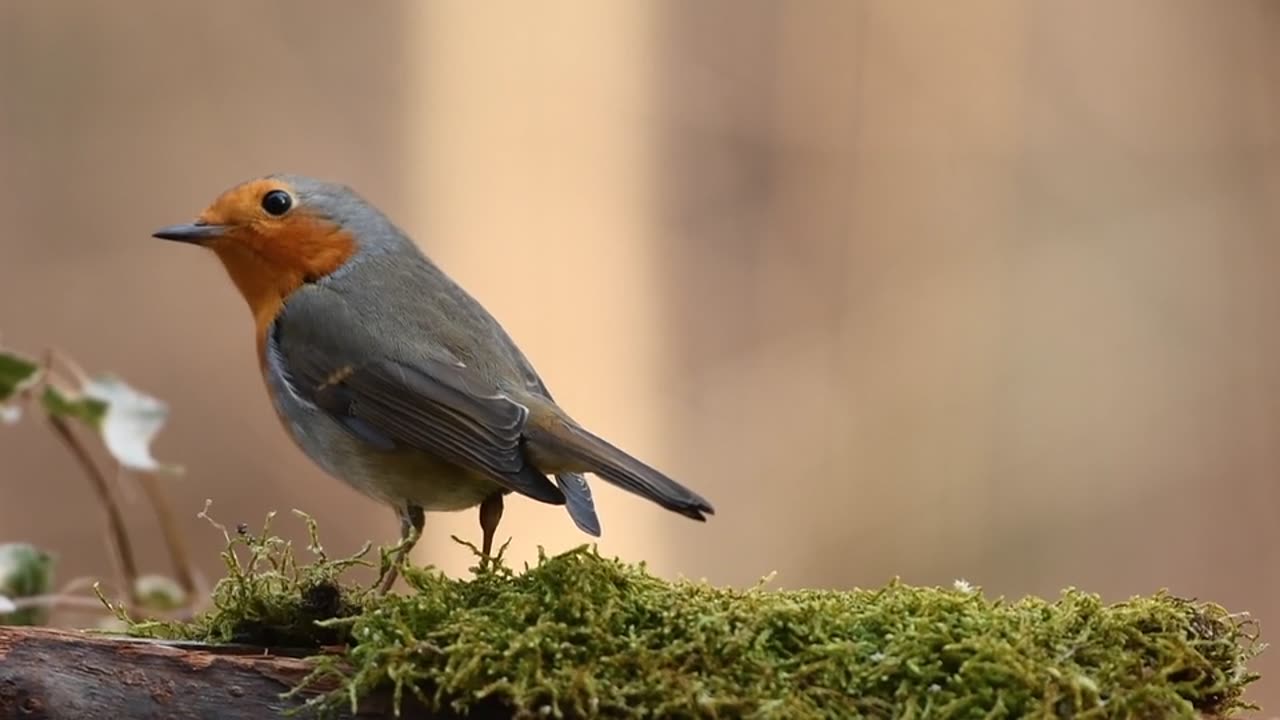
270	257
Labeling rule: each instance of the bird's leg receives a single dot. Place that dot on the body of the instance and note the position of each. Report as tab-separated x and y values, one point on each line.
412	519
490	515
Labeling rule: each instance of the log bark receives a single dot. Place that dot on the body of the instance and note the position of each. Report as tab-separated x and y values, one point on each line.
56	674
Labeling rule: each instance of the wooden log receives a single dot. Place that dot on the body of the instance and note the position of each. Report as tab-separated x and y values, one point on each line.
60	674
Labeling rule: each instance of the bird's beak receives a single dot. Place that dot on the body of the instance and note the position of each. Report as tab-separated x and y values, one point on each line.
196	233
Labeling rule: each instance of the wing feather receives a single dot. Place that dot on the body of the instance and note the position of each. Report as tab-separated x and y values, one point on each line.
435	406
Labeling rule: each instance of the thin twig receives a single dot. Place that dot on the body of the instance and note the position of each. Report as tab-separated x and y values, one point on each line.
115	522
77	584
79	602
63	359
159	502
173	539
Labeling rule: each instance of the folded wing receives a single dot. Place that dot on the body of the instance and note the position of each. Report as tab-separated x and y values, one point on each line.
434	406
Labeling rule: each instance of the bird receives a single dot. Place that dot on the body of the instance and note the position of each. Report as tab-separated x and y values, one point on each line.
391	377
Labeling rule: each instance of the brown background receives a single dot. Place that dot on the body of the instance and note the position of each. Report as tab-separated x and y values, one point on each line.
905	288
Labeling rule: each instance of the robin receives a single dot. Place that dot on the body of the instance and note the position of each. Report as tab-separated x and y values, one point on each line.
390	376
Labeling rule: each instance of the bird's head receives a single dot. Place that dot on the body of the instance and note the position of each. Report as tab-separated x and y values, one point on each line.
276	233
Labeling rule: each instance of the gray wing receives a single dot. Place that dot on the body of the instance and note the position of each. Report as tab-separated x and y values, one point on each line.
426	401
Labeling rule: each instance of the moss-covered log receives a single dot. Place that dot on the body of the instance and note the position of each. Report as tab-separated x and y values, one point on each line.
583	636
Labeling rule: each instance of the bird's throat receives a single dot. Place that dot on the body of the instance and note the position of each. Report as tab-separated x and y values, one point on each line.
268	268
263	286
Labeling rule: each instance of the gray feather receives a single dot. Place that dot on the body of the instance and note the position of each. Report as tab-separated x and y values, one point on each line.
578	501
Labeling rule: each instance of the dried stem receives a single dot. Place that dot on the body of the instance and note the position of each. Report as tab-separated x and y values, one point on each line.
54	355
173	539
115	521
52	362
80	602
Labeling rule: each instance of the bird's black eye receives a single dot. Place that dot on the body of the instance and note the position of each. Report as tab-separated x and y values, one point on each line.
277	202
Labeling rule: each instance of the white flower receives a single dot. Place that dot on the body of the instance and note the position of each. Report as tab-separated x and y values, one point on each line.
132	421
963	586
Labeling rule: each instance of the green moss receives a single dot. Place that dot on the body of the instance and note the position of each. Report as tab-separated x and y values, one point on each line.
267	598
580	635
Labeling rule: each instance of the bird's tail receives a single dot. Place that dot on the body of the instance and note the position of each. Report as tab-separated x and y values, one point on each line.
560	442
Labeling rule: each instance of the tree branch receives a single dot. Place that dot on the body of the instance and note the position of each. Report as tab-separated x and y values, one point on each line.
59	674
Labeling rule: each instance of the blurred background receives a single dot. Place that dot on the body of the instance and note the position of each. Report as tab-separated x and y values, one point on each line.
982	290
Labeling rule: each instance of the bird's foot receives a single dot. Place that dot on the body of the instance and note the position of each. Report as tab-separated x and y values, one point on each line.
490	516
411	522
